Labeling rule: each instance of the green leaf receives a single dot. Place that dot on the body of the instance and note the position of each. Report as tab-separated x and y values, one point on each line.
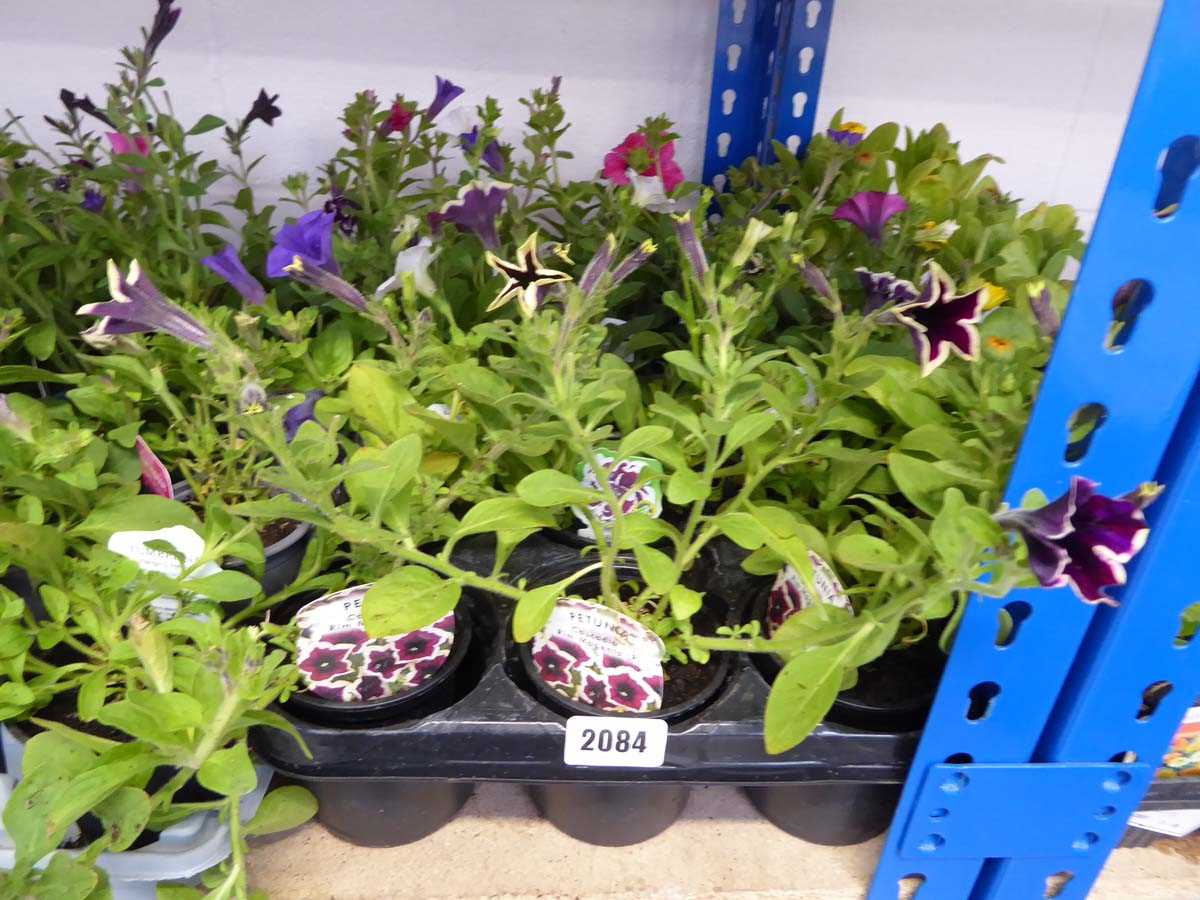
124	814
533	610
686	362
376	476
409	598
141	512
332	351
657	568
803	692
549	487
225	587
643	439
685	602
281	810
17	374
92	694
865	552
66	878
477	383
379	402
743	529
229	771
748	428
920	481
946	531
56	602
207	122
503	514
685	487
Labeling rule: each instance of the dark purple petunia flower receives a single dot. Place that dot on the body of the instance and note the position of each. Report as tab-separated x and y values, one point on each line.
137	305
552	666
164	20
571	648
940	322
1083	538
302	412
351	636
383	662
594	692
491	155
322	662
685	230
423	669
371	687
93	201
884	289
625	693
324	280
415	645
475	210
869	211
263	109
83	104
342	208
229	266
61	183
445	92
849	134
784	602
311	238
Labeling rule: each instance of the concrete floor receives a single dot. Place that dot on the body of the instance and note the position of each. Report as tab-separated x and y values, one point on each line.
497	846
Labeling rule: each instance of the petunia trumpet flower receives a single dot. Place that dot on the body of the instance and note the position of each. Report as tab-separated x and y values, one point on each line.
324	280
137	305
1083	538
869	212
302	412
635	155
414	261
524	278
155	477
227	264
311	238
444	92
939	322
475	210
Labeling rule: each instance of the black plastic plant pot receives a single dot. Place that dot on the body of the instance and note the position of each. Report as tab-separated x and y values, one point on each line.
283	557
378	813
835	813
434	693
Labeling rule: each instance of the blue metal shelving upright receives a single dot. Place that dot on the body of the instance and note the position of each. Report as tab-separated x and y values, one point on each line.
1084	700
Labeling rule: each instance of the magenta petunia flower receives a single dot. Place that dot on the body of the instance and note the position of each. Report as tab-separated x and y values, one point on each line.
415	645
311	238
227	264
939	322
137	305
608	661
552	666
302	412
475	210
323	662
155	477
1083	538
594	692
444	92
869	211
382	661
624	692
884	289
636	153
122	144
571	648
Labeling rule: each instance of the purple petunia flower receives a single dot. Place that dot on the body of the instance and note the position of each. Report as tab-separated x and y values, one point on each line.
624	692
491	155
597	267
302	412
475	210
552	666
883	289
593	692
311	238
1044	312
1083	538
940	322
227	264
608	661
342	208
137	305
164	20
869	211
324	662
633	262
155	477
685	230
816	279
571	648
445	92
415	645
93	201
325	280
371	687
849	134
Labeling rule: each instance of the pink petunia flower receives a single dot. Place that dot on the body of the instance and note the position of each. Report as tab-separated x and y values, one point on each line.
636	153
123	143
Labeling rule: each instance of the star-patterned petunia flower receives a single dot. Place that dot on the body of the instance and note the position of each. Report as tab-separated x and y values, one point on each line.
524	277
939	322
884	289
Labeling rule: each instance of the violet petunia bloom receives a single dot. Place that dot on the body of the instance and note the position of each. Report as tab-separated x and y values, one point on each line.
939	322
227	264
445	92
597	267
137	305
869	211
164	21
93	201
155	477
475	210
324	280
491	155
1044	312
302	412
1083	538
848	134
884	289
688	239
815	279
633	262
309	237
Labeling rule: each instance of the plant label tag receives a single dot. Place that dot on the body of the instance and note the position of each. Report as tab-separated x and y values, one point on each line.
790	594
595	655
188	545
615	741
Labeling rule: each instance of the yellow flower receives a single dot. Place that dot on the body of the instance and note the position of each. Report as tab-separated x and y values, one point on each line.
933	235
993	295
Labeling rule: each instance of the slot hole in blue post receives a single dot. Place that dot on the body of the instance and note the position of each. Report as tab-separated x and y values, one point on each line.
1129	302
909	886
1152	696
983	698
1081	429
1012	615
1057	882
1175	170
1189	623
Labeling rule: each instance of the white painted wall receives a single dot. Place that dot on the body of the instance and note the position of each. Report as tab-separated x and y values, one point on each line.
1046	84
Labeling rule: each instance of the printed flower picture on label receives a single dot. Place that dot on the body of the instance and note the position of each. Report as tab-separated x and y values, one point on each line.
339	661
623	478
789	593
600	657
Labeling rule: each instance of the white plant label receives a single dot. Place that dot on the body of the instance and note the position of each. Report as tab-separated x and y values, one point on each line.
189	545
615	741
